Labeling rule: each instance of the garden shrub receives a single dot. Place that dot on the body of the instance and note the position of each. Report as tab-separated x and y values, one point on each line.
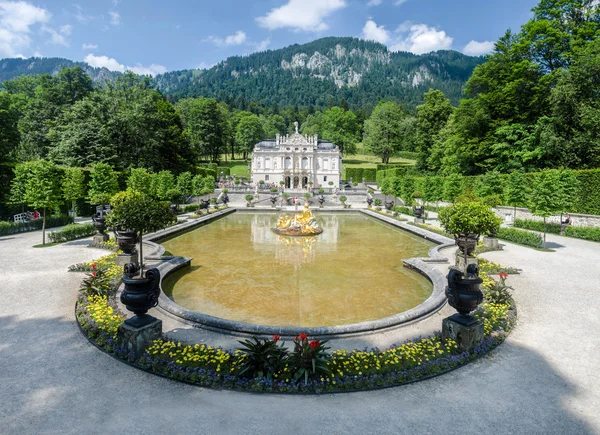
357	174
586	233
530	224
521	237
72	232
7	228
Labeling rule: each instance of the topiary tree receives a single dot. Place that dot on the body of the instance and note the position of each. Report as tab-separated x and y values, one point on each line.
466	218
184	184
141	180
568	189
103	185
134	210
433	189
517	191
73	186
546	199
387	187
408	190
453	187
18	185
490	184
43	189
163	184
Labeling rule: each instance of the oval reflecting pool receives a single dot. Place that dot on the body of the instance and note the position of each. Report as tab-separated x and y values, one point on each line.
352	272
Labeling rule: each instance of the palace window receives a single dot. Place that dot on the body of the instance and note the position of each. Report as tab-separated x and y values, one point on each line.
288	163
267	163
325	178
266	178
326	164
304	163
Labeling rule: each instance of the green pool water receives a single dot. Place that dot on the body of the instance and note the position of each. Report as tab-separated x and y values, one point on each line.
241	270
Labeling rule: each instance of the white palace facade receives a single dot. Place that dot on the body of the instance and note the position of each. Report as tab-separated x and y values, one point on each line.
296	160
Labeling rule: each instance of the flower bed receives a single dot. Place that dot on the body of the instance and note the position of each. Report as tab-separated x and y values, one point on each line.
306	368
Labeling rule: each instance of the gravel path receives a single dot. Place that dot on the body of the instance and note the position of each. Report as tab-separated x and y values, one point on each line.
543	380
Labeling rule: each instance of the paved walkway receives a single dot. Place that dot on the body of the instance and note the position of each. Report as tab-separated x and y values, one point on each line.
543	380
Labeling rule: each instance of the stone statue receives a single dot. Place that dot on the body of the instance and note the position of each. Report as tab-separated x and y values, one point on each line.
296	125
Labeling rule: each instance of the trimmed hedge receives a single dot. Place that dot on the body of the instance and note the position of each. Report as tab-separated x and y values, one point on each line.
521	237
7	228
585	233
357	174
529	224
72	232
410	155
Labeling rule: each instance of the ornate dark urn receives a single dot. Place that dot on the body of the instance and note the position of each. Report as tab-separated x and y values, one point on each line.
467	243
321	201
370	202
126	239
463	293
273	200
99	223
204	203
174	209
389	205
418	211
225	199
140	294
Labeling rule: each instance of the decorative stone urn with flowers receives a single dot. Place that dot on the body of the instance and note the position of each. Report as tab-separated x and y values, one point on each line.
466	221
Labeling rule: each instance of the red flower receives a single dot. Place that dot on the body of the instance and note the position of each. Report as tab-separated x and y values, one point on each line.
503	275
93	265
314	344
303	337
93	273
296	338
276	338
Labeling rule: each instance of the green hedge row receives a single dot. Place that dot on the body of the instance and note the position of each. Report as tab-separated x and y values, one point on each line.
205	172
357	174
7	228
72	232
521	237
586	233
410	155
529	224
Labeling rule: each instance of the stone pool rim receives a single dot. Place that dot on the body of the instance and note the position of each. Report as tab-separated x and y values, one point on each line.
430	306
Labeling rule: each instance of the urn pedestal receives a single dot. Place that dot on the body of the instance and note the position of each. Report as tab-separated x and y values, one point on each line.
462	263
490	242
419	220
464	295
138	339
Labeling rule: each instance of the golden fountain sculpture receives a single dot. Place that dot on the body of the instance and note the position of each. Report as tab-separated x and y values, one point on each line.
302	224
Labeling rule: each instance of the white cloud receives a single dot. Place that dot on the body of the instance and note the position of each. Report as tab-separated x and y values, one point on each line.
376	33
476	48
306	15
37	54
79	15
374	3
238	38
16	20
400	2
152	70
422	39
66	29
57	38
262	45
104	62
113	65
115	18
87	46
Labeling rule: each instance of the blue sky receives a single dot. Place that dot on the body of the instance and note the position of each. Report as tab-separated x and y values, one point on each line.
153	36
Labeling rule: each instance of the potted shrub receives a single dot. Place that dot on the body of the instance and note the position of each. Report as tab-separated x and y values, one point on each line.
466	221
377	202
224	196
249	199
285	197
387	189
132	210
343	200
307	197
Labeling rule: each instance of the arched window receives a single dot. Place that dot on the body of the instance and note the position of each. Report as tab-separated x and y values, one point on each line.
304	162
326	164
267	163
288	163
274	163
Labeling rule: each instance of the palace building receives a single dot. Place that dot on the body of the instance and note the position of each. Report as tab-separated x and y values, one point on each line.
297	160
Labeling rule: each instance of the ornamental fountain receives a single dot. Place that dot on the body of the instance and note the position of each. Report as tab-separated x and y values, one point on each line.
301	224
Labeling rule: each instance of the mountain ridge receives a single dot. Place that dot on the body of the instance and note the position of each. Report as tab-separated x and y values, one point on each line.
320	73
